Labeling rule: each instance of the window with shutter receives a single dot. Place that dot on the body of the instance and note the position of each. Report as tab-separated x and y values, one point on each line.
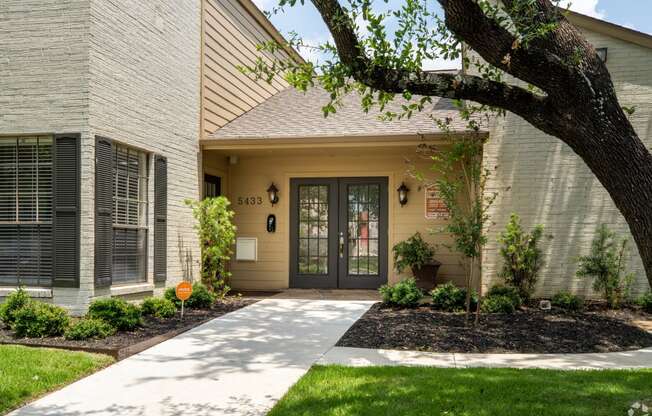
130	182
26	183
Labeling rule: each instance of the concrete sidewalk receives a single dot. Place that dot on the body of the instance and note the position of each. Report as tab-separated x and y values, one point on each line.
360	357
237	364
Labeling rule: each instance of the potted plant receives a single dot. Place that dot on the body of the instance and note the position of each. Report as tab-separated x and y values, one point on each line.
418	255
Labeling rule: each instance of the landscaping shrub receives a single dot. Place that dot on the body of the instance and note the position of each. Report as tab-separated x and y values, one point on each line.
216	233
567	301
498	304
12	304
158	307
88	328
201	297
606	266
521	256
450	298
511	292
38	320
404	293
116	312
645	302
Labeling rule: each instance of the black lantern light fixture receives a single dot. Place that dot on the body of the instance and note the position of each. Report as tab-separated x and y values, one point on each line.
272	191
402	194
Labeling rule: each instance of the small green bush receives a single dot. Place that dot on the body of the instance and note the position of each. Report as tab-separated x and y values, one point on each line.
404	293
201	297
450	298
567	301
509	291
12	304
116	312
88	328
645	302
158	307
498	304
38	320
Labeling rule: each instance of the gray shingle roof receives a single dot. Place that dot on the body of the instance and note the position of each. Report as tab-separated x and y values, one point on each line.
294	114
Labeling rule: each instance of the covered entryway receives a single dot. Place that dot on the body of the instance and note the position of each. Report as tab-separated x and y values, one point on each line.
338	232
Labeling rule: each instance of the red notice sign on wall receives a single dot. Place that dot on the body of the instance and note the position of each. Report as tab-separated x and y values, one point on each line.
435	207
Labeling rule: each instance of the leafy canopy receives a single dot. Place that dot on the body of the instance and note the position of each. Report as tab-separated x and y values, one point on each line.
397	37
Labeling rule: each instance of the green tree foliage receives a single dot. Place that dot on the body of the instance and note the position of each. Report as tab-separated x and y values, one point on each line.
216	234
461	180
606	266
412	253
522	258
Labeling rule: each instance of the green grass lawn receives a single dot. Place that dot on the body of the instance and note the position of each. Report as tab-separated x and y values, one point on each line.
398	391
26	373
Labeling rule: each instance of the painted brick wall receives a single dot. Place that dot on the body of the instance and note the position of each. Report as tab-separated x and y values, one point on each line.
44	85
125	69
541	179
144	92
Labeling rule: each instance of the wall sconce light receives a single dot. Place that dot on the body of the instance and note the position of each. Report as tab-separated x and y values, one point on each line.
402	194
602	54
272	191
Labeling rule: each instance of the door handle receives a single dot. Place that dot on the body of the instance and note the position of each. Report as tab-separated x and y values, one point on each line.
341	245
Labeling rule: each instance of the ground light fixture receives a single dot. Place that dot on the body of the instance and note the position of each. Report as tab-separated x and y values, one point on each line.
402	194
272	191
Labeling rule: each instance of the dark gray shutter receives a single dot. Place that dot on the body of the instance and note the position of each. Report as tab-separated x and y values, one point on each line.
160	217
66	209
103	211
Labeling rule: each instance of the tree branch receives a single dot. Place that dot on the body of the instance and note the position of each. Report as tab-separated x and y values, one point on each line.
465	87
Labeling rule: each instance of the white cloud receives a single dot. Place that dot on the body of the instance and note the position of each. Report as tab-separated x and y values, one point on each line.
441	63
263	4
587	7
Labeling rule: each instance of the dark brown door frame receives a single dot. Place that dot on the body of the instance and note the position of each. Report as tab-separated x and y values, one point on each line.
338	276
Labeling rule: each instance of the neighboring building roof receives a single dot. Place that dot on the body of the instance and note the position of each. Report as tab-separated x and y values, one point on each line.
294	114
611	29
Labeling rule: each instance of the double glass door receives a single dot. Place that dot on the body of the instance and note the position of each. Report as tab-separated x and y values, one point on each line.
338	232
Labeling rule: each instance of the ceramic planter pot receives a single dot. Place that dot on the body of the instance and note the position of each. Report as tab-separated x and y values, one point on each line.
426	276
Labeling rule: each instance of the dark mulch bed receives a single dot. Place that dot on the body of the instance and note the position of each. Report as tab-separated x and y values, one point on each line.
124	344
527	331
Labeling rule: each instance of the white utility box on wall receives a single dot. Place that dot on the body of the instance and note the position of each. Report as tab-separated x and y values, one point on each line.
246	249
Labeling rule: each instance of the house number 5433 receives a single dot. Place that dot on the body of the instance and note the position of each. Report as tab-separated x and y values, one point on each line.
250	200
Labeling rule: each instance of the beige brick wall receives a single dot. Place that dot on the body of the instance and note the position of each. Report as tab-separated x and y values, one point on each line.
144	92
541	179
125	69
44	83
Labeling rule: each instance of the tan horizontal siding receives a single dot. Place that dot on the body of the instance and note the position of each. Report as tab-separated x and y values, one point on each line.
230	37
252	174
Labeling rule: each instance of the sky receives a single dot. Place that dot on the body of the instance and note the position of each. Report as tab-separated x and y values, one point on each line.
634	14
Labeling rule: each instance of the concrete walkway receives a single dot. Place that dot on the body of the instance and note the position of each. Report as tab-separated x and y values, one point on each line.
361	357
238	364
